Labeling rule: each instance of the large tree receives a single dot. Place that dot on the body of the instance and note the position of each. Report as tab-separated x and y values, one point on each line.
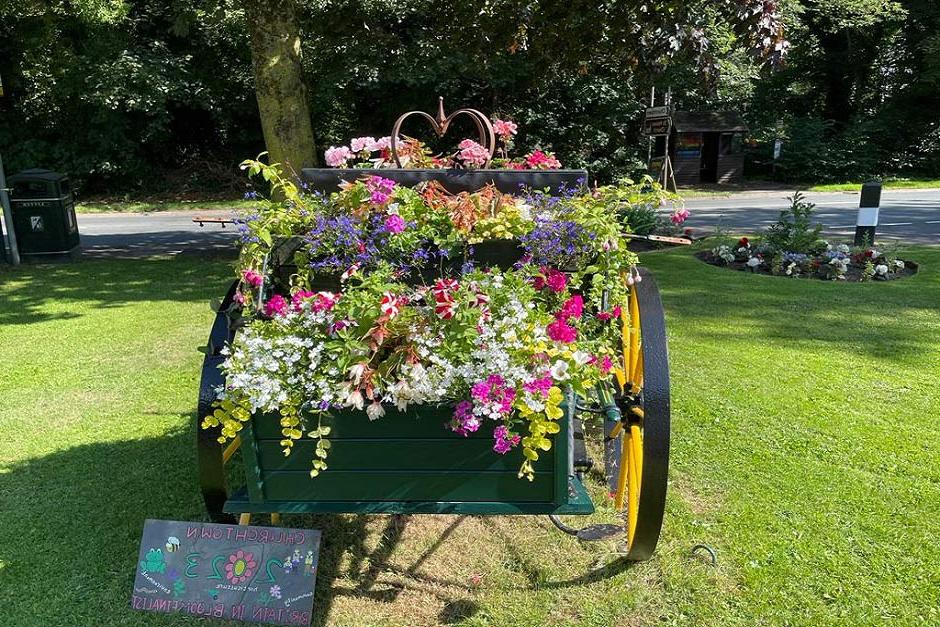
279	82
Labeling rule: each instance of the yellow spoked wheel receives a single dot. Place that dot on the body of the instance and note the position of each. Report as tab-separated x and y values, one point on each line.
636	443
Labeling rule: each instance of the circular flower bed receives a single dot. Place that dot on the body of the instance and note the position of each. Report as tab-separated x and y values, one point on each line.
792	247
823	260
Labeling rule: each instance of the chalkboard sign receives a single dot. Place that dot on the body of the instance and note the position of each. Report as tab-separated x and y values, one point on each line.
255	574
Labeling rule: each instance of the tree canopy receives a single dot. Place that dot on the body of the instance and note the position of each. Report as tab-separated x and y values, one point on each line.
158	95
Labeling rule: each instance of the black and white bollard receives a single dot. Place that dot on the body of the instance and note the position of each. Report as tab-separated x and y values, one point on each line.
867	219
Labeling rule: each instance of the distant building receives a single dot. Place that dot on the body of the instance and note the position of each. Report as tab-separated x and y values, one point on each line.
707	147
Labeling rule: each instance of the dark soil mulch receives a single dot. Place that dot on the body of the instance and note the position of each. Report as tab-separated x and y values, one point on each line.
853	274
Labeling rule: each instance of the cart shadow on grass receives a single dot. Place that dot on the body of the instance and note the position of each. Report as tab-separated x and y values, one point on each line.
81	510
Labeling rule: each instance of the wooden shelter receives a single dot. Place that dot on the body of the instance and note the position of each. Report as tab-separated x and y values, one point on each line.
707	147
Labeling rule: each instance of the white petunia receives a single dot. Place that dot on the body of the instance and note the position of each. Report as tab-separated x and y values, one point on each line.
375	410
559	370
354	399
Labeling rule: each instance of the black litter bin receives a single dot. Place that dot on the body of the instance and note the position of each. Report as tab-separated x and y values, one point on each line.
43	212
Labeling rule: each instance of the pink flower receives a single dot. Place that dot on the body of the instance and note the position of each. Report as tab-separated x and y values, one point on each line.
572	308
472	154
538	160
337	156
240	567
339	325
539	386
239	298
557	281
380	188
252	278
380	144
394	223
504	128
325	301
276	306
609	315
606	364
561	331
464	421
362	143
351	270
504	441
679	216
297	300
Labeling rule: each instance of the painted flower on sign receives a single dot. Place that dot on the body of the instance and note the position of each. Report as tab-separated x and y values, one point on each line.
240	567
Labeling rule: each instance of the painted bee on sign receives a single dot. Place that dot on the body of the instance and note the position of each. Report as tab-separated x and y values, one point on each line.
172	544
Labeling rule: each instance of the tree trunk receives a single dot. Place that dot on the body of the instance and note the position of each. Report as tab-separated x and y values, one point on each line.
279	83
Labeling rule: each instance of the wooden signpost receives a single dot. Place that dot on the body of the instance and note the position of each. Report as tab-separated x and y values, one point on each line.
254	574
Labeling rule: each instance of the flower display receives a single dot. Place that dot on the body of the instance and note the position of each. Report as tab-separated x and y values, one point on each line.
376	153
499	347
836	262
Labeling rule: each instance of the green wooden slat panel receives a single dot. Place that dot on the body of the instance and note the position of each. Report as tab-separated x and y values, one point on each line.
418	421
344	485
239	504
399	454
253	478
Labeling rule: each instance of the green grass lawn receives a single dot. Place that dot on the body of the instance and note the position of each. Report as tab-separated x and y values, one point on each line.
886	184
93	206
805	450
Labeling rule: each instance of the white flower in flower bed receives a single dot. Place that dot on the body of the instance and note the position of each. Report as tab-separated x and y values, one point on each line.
724	253
881	270
899	264
753	262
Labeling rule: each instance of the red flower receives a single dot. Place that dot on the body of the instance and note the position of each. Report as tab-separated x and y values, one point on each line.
445	308
391	305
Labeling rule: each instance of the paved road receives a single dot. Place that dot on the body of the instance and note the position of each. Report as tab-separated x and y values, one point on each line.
908	215
163	233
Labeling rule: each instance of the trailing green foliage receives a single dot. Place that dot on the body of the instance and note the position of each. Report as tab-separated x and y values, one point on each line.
794	230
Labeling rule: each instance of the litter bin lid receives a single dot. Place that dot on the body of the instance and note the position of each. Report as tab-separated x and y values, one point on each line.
38	174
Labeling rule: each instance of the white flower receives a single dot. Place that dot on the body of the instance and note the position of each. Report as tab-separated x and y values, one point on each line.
881	269
356	371
843	248
375	410
581	358
898	263
753	262
559	370
355	399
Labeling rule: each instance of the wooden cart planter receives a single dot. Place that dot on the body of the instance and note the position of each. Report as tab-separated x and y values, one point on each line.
408	463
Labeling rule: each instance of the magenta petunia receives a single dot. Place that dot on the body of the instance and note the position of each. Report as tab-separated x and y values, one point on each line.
394	223
561	331
276	306
252	278
572	308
